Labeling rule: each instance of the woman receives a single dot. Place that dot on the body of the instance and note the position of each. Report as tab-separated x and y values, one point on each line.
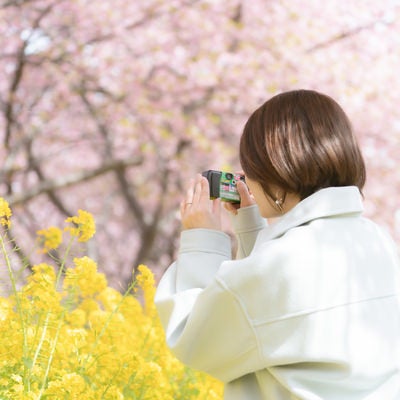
310	307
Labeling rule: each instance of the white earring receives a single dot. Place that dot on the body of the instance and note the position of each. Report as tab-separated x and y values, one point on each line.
279	204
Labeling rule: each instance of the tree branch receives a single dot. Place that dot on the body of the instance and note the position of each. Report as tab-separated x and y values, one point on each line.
343	35
131	200
17	3
33	165
9	106
71	180
17	77
150	232
157	13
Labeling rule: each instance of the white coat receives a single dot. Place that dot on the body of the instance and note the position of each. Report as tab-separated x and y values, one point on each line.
311	311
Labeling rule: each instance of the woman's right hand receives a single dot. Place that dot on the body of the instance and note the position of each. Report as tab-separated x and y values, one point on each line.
197	210
246	199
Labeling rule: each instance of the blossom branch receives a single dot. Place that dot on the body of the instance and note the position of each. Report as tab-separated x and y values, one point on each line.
71	180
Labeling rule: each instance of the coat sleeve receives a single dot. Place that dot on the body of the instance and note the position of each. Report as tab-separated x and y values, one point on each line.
206	326
246	225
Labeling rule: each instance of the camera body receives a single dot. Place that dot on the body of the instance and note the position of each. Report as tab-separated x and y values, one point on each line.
223	185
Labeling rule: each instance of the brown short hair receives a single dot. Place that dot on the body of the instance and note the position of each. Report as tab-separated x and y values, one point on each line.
301	141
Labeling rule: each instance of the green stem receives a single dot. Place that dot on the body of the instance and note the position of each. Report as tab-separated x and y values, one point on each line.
58	277
19	307
50	360
40	344
46	323
63	261
103	329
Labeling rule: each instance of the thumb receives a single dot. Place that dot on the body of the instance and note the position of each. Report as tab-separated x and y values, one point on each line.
245	198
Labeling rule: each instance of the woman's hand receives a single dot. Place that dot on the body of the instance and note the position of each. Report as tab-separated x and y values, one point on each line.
246	199
197	210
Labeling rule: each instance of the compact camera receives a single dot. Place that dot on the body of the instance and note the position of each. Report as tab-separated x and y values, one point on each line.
223	185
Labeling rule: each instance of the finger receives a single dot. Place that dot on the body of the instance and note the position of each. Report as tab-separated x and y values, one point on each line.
188	199
197	190
190	192
245	197
216	208
182	208
205	189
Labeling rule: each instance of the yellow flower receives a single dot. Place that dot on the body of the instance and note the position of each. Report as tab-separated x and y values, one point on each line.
5	310
145	281
84	226
113	393
85	277
88	305
109	298
49	238
5	213
43	273
98	342
76	318
71	386
40	291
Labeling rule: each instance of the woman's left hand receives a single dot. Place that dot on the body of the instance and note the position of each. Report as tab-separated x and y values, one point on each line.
197	210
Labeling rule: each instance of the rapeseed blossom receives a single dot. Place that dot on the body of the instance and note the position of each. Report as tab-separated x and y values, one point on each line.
65	334
84	278
5	213
145	280
40	291
83	226
50	238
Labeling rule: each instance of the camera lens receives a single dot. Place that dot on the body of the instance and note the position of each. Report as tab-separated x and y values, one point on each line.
229	176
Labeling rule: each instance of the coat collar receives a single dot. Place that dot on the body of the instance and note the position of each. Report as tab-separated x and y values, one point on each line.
327	202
